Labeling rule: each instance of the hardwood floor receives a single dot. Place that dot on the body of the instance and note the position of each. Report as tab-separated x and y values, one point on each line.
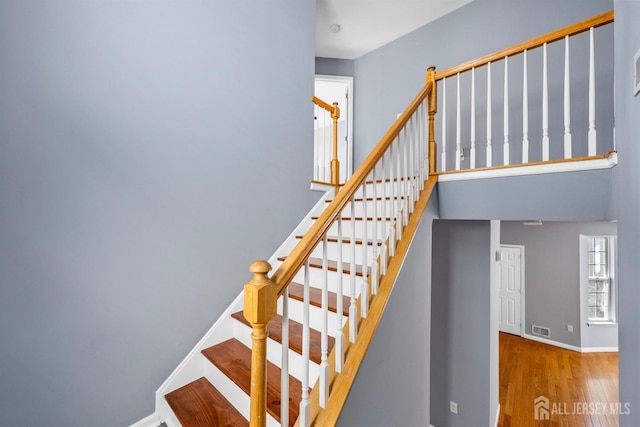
582	388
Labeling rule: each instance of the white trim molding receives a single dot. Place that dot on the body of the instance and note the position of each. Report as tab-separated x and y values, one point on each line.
585	165
149	421
572	347
554	343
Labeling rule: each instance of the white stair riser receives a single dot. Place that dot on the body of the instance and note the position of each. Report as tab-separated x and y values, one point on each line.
316	277
332	252
315	316
274	354
234	394
359	226
358	208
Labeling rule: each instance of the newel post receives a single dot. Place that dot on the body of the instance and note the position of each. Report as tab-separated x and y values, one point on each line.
433	102
335	163
260	306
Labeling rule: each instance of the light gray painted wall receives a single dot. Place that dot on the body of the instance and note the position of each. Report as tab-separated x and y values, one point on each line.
568	196
392	386
334	66
140	175
461	323
389	77
627	36
552	278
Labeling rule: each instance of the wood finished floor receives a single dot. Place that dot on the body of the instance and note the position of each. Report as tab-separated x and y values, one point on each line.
529	369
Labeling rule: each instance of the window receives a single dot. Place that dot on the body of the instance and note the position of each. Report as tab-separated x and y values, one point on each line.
599	287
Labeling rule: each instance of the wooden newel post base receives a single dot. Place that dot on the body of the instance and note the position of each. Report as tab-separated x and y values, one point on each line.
260	306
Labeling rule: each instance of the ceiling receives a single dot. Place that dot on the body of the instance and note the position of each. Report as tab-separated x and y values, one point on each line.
368	24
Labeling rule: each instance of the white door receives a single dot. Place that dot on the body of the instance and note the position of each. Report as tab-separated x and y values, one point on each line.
510	289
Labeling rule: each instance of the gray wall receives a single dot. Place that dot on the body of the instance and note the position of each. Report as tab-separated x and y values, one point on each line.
461	323
135	148
552	277
334	66
627	36
568	196
397	363
389	77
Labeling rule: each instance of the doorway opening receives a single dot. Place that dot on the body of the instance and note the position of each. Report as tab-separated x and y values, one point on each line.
335	89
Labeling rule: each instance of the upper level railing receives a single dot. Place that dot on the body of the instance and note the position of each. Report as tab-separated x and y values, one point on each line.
531	97
326	166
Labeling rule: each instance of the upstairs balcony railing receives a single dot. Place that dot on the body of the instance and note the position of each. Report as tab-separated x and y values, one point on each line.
547	110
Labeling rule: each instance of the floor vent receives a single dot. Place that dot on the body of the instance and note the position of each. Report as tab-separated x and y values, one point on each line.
540	331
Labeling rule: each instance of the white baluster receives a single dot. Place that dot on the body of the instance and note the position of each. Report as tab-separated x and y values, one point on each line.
592	97
525	111
364	287
458	133
400	200
305	414
324	328
339	338
284	368
404	184
545	106
392	208
353	321
505	149
443	163
316	145
383	252
567	102
472	150
374	240
489	117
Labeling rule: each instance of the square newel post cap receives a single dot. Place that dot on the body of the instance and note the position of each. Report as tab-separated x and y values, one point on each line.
260	295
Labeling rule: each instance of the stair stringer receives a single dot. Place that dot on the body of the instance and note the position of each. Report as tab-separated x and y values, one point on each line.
195	365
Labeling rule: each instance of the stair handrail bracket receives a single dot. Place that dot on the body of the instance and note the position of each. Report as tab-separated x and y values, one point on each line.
395	174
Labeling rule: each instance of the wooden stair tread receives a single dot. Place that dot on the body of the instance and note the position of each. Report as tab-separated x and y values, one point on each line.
331	265
346	240
295	336
296	291
234	359
200	404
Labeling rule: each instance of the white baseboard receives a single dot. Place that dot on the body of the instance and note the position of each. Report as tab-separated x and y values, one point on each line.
149	421
554	343
599	349
571	347
497	415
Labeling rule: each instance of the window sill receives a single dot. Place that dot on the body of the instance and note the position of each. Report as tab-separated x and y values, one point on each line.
602	323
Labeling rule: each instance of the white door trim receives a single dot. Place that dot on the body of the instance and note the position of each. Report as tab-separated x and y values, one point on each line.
522	287
349	82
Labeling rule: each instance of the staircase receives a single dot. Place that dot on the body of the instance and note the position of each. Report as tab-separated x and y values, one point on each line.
203	401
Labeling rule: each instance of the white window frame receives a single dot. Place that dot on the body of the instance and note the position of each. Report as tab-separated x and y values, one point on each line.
585	279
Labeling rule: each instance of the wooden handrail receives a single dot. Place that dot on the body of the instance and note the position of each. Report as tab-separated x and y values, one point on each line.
577	28
296	259
320	103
